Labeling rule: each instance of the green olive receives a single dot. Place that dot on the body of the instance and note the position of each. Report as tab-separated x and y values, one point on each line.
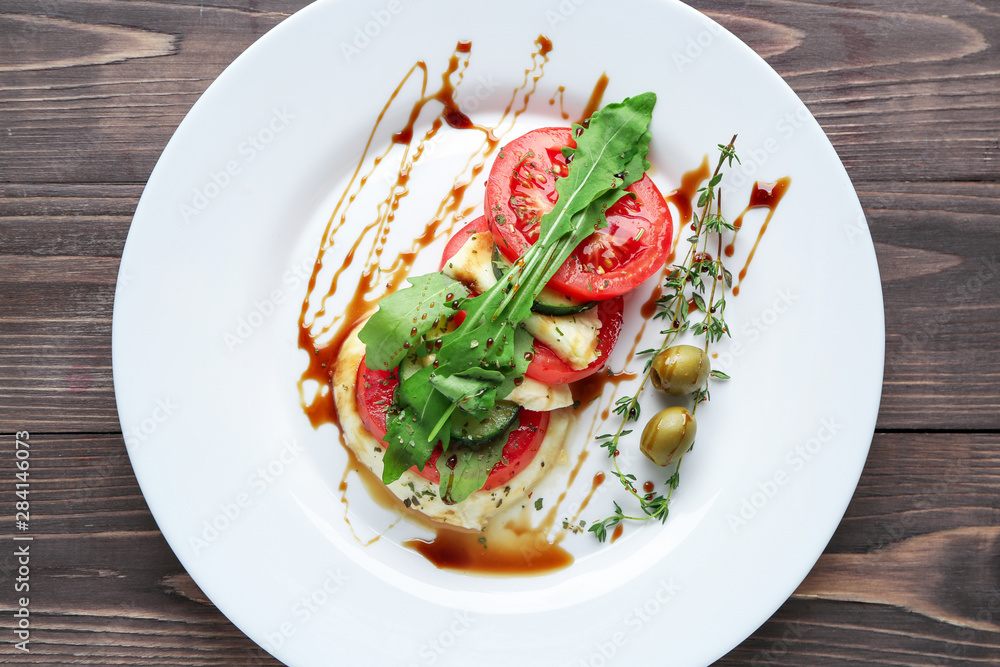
668	436
680	370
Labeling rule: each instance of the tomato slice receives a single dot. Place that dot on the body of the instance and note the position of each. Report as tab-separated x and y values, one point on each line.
546	366
375	390
611	261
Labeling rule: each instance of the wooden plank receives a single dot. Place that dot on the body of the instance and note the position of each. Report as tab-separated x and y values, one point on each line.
810	633
55	344
65	219
909	578
921	533
896	87
139	66
105	587
939	255
905	94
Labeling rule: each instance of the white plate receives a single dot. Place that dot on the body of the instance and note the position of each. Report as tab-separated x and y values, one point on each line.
206	361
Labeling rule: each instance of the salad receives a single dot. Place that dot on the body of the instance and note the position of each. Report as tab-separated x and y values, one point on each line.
455	392
460	380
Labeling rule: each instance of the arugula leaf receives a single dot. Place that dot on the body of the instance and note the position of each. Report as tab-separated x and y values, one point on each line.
473	390
407	315
472	466
415	428
515	358
497	372
610	155
408	443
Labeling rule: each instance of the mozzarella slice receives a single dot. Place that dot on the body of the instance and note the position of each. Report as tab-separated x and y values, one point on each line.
573	338
472	265
540	397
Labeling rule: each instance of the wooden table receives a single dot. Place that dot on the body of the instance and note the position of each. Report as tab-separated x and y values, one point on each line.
90	92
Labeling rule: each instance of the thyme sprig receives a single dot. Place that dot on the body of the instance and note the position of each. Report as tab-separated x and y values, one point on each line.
685	290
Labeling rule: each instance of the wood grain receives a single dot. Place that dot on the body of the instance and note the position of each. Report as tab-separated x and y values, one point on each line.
90	92
45	43
901	93
912	575
109	123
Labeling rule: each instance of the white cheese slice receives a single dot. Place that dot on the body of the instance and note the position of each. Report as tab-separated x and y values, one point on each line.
472	265
573	338
540	397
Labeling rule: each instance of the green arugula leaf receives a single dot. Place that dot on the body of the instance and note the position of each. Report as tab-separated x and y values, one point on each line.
610	155
515	359
408	443
472	466
506	359
473	390
416	427
407	315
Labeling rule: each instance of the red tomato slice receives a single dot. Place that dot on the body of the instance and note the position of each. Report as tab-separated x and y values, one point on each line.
375	390
546	366
609	262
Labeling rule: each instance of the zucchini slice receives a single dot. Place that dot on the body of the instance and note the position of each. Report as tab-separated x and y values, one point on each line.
469	431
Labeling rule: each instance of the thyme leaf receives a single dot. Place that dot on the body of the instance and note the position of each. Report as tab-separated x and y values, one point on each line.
699	281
